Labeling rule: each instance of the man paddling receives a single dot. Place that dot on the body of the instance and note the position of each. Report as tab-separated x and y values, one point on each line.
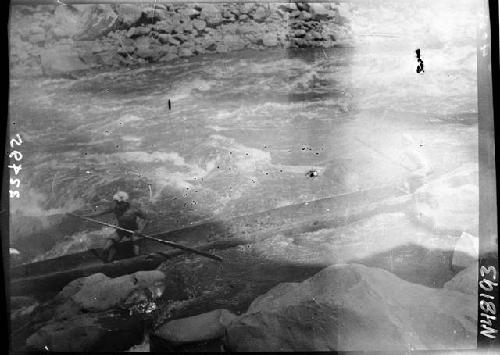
127	216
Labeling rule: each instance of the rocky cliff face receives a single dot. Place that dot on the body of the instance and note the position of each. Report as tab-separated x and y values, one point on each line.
49	40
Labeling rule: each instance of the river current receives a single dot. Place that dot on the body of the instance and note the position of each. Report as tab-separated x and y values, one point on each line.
242	134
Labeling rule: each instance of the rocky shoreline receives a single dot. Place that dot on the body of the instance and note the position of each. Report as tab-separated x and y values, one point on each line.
53	41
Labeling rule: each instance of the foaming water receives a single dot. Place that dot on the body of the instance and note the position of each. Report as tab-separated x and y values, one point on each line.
242	132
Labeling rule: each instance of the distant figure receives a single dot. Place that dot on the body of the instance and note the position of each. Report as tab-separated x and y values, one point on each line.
413	159
126	215
169	105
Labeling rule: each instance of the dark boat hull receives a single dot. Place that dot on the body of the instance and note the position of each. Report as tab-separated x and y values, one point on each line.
46	276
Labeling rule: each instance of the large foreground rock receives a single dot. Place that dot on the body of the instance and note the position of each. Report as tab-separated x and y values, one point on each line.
97	313
76	334
206	326
90	332
355	308
465	281
99	292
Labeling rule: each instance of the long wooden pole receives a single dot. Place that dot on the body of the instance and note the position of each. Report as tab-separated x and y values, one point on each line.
166	242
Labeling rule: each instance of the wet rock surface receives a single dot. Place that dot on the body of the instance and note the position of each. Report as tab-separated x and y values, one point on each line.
95	313
202	327
465	281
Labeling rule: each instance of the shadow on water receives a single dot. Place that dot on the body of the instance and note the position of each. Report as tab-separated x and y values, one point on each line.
415	264
193	285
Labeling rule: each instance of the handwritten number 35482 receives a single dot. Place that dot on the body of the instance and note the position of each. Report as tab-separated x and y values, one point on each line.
17	156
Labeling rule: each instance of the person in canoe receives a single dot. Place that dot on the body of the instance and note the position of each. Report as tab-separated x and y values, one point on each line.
126	216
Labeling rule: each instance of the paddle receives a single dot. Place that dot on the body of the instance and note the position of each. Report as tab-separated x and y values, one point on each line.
166	242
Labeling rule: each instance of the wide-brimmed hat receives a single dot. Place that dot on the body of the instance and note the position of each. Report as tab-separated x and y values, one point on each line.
121	196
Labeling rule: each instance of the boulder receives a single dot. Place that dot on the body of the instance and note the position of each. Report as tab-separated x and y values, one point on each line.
186	27
166	26
135	32
181	38
77	334
260	14
168	39
70	21
154	14
202	327
169	56
199	49
152	53
305	16
270	40
99	292
189	12
465	281
84	22
233	42
148	48
289	7
355	308
61	60
88	333
302	6
466	251
76	285
320	11
185	52
211	14
100	21
450	203
37	38
199	25
128	14
313	35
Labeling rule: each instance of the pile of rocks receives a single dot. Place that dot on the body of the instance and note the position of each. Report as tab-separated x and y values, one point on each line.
96	313
49	40
342	308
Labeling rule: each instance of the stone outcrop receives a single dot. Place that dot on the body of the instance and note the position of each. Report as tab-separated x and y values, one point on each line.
355	308
92	313
202	327
55	40
99	292
465	281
